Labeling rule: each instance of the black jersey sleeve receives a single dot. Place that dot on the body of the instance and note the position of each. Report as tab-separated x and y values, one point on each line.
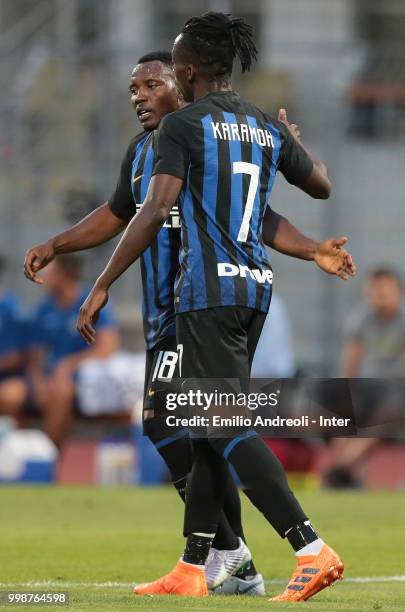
172	155
121	201
295	164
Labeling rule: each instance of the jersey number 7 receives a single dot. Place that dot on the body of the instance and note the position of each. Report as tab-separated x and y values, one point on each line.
241	167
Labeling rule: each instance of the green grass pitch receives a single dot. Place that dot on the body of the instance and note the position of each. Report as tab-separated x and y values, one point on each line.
83	538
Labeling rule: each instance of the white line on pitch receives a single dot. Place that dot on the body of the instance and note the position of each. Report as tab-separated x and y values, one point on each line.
126	585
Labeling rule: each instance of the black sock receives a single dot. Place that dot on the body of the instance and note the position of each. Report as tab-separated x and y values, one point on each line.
300	535
246	571
177	455
206	490
225	539
230	523
180	486
264	481
197	549
232	509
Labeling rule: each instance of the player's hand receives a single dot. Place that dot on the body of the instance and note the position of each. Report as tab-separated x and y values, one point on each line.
332	258
37	258
90	311
292	127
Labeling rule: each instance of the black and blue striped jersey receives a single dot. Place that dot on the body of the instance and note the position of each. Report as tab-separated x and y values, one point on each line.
160	261
227	152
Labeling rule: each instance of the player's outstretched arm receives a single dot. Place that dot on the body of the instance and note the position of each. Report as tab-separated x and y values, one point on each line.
163	192
96	228
329	255
317	184
282	236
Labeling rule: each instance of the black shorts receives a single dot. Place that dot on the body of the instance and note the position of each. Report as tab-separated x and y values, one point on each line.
218	342
8	374
31	407
161	378
217	347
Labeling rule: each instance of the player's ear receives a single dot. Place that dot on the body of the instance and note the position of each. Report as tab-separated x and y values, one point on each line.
190	73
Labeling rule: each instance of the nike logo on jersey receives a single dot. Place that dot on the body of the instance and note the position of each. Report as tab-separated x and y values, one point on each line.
241	132
137	178
261	276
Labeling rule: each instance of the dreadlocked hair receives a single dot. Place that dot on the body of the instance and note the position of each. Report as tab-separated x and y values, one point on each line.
215	39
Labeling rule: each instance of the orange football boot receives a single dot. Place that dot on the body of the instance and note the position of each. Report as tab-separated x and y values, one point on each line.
313	573
184	579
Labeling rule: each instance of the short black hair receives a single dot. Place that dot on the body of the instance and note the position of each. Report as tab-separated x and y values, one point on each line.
157	56
385	272
213	40
71	264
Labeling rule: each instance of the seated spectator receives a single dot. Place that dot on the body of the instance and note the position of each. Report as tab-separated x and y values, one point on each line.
57	350
374	348
12	339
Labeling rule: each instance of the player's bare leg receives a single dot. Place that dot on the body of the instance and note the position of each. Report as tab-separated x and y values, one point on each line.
57	410
13	393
